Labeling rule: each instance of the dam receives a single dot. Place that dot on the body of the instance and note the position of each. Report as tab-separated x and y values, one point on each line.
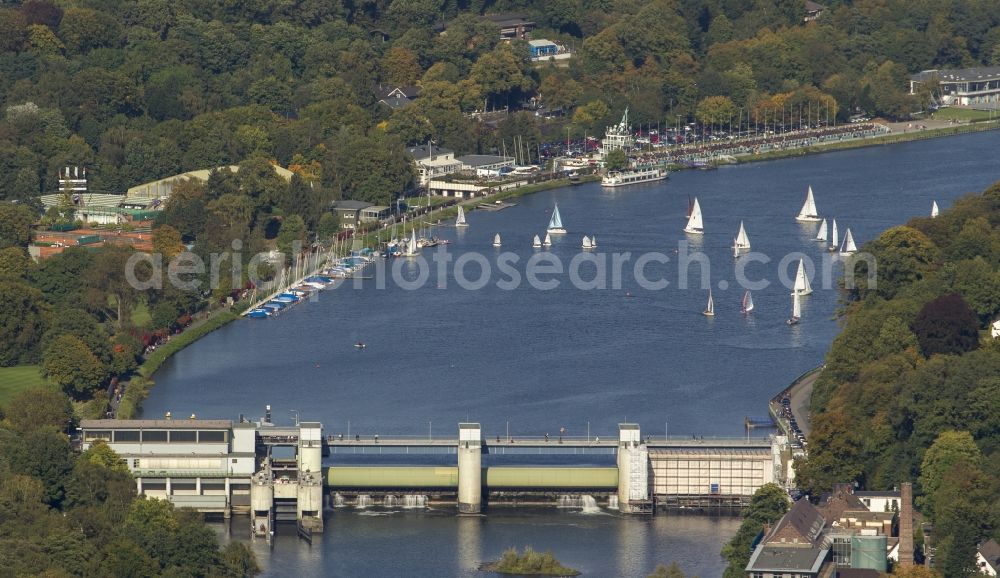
276	473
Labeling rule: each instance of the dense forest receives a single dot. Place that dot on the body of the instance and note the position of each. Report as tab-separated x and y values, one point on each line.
64	513
911	389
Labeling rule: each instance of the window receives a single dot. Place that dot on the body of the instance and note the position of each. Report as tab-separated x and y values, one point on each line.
135	463
127	436
758	575
98	434
157	436
183	436
211	437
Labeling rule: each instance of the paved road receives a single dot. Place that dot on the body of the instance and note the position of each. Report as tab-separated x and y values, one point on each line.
801	394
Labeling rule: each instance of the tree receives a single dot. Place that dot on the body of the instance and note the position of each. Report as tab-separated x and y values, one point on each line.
946	325
23	317
238	561
501	74
950	448
615	160
70	364
109	291
768	504
328	226
966	513
38	408
43	454
913	572
401	66
293	229
167	242
903	255
559	91
716	110
671	571
14	263
15	225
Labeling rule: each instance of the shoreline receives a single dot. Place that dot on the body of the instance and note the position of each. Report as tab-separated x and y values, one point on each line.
142	381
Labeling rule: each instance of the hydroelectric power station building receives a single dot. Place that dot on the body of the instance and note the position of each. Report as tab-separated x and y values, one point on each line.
276	473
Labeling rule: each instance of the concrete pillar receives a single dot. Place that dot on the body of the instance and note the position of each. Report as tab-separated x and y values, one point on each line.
138	486
633	470
197	486
168	487
470	468
309	496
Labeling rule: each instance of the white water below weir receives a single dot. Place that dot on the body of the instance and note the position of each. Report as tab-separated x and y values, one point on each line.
364	500
613	502
584	501
338	501
412	501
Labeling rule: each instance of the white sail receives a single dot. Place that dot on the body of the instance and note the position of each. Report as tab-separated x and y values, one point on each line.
694	224
548	240
536	242
710	308
496	240
593	241
555	223
796	306
849	248
808	212
934	209
742	240
586	242
412	249
834	238
821	235
802	286
747	304
460	219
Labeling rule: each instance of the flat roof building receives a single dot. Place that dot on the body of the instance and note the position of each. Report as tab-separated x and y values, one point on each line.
433	162
963	87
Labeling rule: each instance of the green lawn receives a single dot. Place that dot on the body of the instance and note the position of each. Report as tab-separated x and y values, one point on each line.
14	380
963	114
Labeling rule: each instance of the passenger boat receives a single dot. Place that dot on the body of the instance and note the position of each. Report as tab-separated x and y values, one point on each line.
634	176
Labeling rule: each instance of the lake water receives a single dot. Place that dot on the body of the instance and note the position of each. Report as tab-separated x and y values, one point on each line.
538	360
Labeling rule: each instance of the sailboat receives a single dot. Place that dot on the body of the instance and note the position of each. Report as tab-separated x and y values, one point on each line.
593	241
934	210
555	223
848	248
694	224
412	250
536	243
821	235
808	214
710	308
742	241
548	240
586	243
460	219
802	286
496	240
834	239
796	310
746	305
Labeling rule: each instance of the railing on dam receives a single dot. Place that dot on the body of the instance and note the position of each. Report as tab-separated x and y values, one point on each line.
526	445
494	478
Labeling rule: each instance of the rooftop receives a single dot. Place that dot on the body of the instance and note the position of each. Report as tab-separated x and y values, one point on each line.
804	518
484	160
991	552
421	152
961	75
349	205
541	42
878	494
156	424
776	558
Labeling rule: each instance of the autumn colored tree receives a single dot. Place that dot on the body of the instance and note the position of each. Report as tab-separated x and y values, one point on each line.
167	242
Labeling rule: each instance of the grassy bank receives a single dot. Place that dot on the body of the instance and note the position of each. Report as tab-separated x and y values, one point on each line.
894	138
14	380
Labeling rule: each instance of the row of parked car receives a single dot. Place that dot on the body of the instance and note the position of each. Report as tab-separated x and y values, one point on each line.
786	412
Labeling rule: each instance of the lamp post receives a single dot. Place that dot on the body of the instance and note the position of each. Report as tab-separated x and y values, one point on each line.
296	416
430	430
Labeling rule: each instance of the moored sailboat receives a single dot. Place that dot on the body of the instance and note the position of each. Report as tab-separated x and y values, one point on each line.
555	223
808	214
412	249
694	224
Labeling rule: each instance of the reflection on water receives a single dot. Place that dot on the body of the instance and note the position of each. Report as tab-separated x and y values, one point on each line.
469	543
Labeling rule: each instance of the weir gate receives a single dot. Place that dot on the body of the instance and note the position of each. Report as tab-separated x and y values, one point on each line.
276	473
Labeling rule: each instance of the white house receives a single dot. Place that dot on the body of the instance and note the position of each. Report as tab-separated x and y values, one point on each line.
988	558
995	329
433	162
